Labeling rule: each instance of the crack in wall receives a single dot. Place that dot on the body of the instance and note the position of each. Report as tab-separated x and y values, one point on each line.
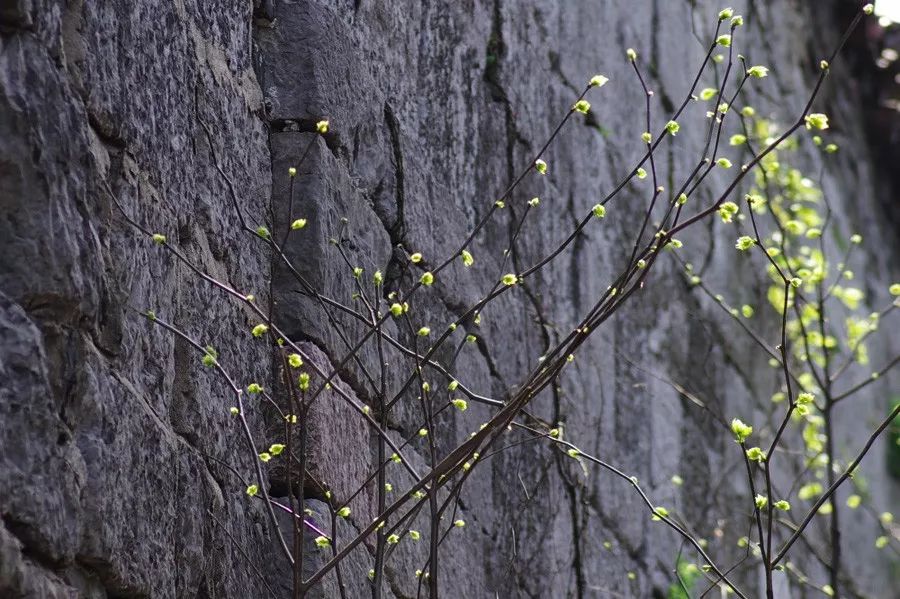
577	529
396	231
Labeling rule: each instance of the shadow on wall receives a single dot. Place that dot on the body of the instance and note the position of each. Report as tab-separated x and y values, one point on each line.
872	54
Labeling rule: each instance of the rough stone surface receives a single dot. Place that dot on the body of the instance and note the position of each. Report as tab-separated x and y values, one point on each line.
116	445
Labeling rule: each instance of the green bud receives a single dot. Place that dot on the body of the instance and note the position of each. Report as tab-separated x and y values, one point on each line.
727	211
805	398
744	243
758	71
303	381
755	454
209	358
817	120
322	542
741	431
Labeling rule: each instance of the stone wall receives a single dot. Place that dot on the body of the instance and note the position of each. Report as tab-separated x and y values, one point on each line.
114	435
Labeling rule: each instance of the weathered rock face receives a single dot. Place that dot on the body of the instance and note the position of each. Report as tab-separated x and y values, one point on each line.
113	436
106	422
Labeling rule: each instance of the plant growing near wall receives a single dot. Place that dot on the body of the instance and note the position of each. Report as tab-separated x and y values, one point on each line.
782	223
824	327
